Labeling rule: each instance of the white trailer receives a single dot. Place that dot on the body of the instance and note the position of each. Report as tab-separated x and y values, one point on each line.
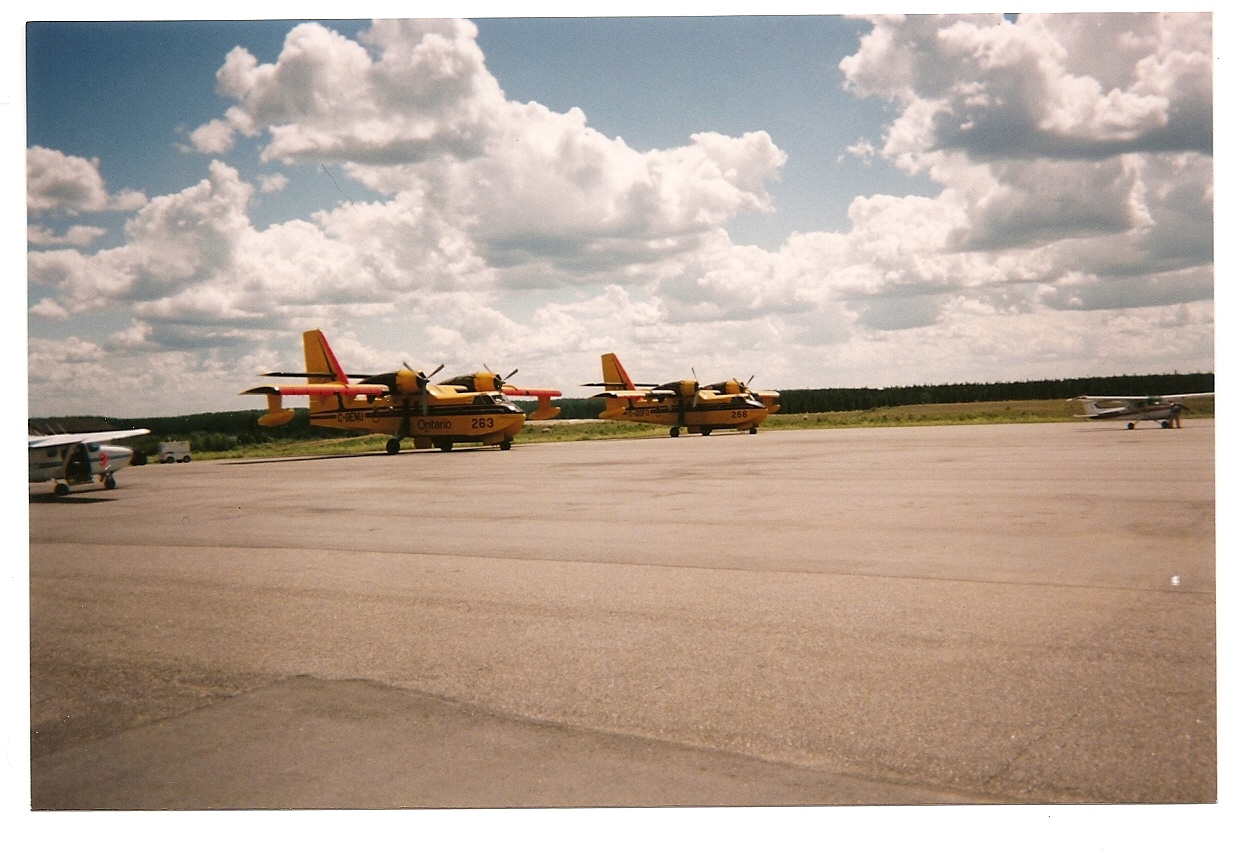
174	451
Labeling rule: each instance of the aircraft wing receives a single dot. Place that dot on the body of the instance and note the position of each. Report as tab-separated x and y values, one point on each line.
635	394
62	438
1140	398
327	389
530	392
1137	400
546	410
1176	397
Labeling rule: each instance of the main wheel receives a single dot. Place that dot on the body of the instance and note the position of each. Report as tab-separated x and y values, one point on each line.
110	483
445	445
1130	426
506	444
754	430
61	490
706	431
674	432
393	446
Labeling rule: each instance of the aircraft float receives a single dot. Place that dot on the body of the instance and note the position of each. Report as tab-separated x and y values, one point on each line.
76	458
1166	409
684	404
473	408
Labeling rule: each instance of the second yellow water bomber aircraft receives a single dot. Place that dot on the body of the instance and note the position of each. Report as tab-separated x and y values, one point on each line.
683	404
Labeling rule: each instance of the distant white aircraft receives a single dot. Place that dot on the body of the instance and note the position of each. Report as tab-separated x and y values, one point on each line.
76	458
1167	409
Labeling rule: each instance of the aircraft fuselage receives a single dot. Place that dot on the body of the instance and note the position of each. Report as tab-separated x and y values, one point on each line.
78	464
489	419
1167	414
734	412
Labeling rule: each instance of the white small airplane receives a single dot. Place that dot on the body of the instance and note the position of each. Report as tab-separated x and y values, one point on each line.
1167	408
76	458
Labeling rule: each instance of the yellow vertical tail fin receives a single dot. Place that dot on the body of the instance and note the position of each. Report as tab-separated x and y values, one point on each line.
615	377
321	365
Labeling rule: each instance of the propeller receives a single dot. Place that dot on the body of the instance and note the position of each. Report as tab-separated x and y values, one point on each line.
406	383
498	379
423	380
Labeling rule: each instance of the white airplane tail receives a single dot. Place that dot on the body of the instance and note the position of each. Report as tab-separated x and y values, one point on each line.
1091	407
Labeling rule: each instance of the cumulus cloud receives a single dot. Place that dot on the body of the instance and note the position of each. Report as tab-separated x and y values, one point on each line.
215	137
273	183
60	182
1064	143
408	92
64	184
476	192
1056	86
413	112
1073	224
76	235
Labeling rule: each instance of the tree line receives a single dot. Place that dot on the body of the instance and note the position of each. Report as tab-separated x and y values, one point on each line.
226	430
809	401
805	401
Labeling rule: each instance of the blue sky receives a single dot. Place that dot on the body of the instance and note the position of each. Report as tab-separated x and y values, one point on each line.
815	200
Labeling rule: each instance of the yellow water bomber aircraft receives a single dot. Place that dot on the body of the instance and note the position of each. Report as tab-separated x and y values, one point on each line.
473	408
683	404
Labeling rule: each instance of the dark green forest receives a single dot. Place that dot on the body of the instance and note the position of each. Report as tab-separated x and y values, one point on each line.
797	402
219	431
801	401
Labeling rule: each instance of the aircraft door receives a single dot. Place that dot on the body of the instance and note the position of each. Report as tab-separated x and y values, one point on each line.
78	465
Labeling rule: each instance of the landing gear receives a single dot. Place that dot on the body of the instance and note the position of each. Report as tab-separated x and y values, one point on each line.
674	432
393	446
446	446
109	482
61	490
705	431
754	430
1166	425
506	444
1130	426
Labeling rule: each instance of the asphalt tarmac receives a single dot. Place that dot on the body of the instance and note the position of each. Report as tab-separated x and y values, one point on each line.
974	614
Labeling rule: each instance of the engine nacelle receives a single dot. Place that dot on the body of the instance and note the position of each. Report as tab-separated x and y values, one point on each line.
408	381
684	388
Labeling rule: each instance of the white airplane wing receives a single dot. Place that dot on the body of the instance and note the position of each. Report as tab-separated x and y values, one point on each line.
1187	396
61	438
1142	398
1115	398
